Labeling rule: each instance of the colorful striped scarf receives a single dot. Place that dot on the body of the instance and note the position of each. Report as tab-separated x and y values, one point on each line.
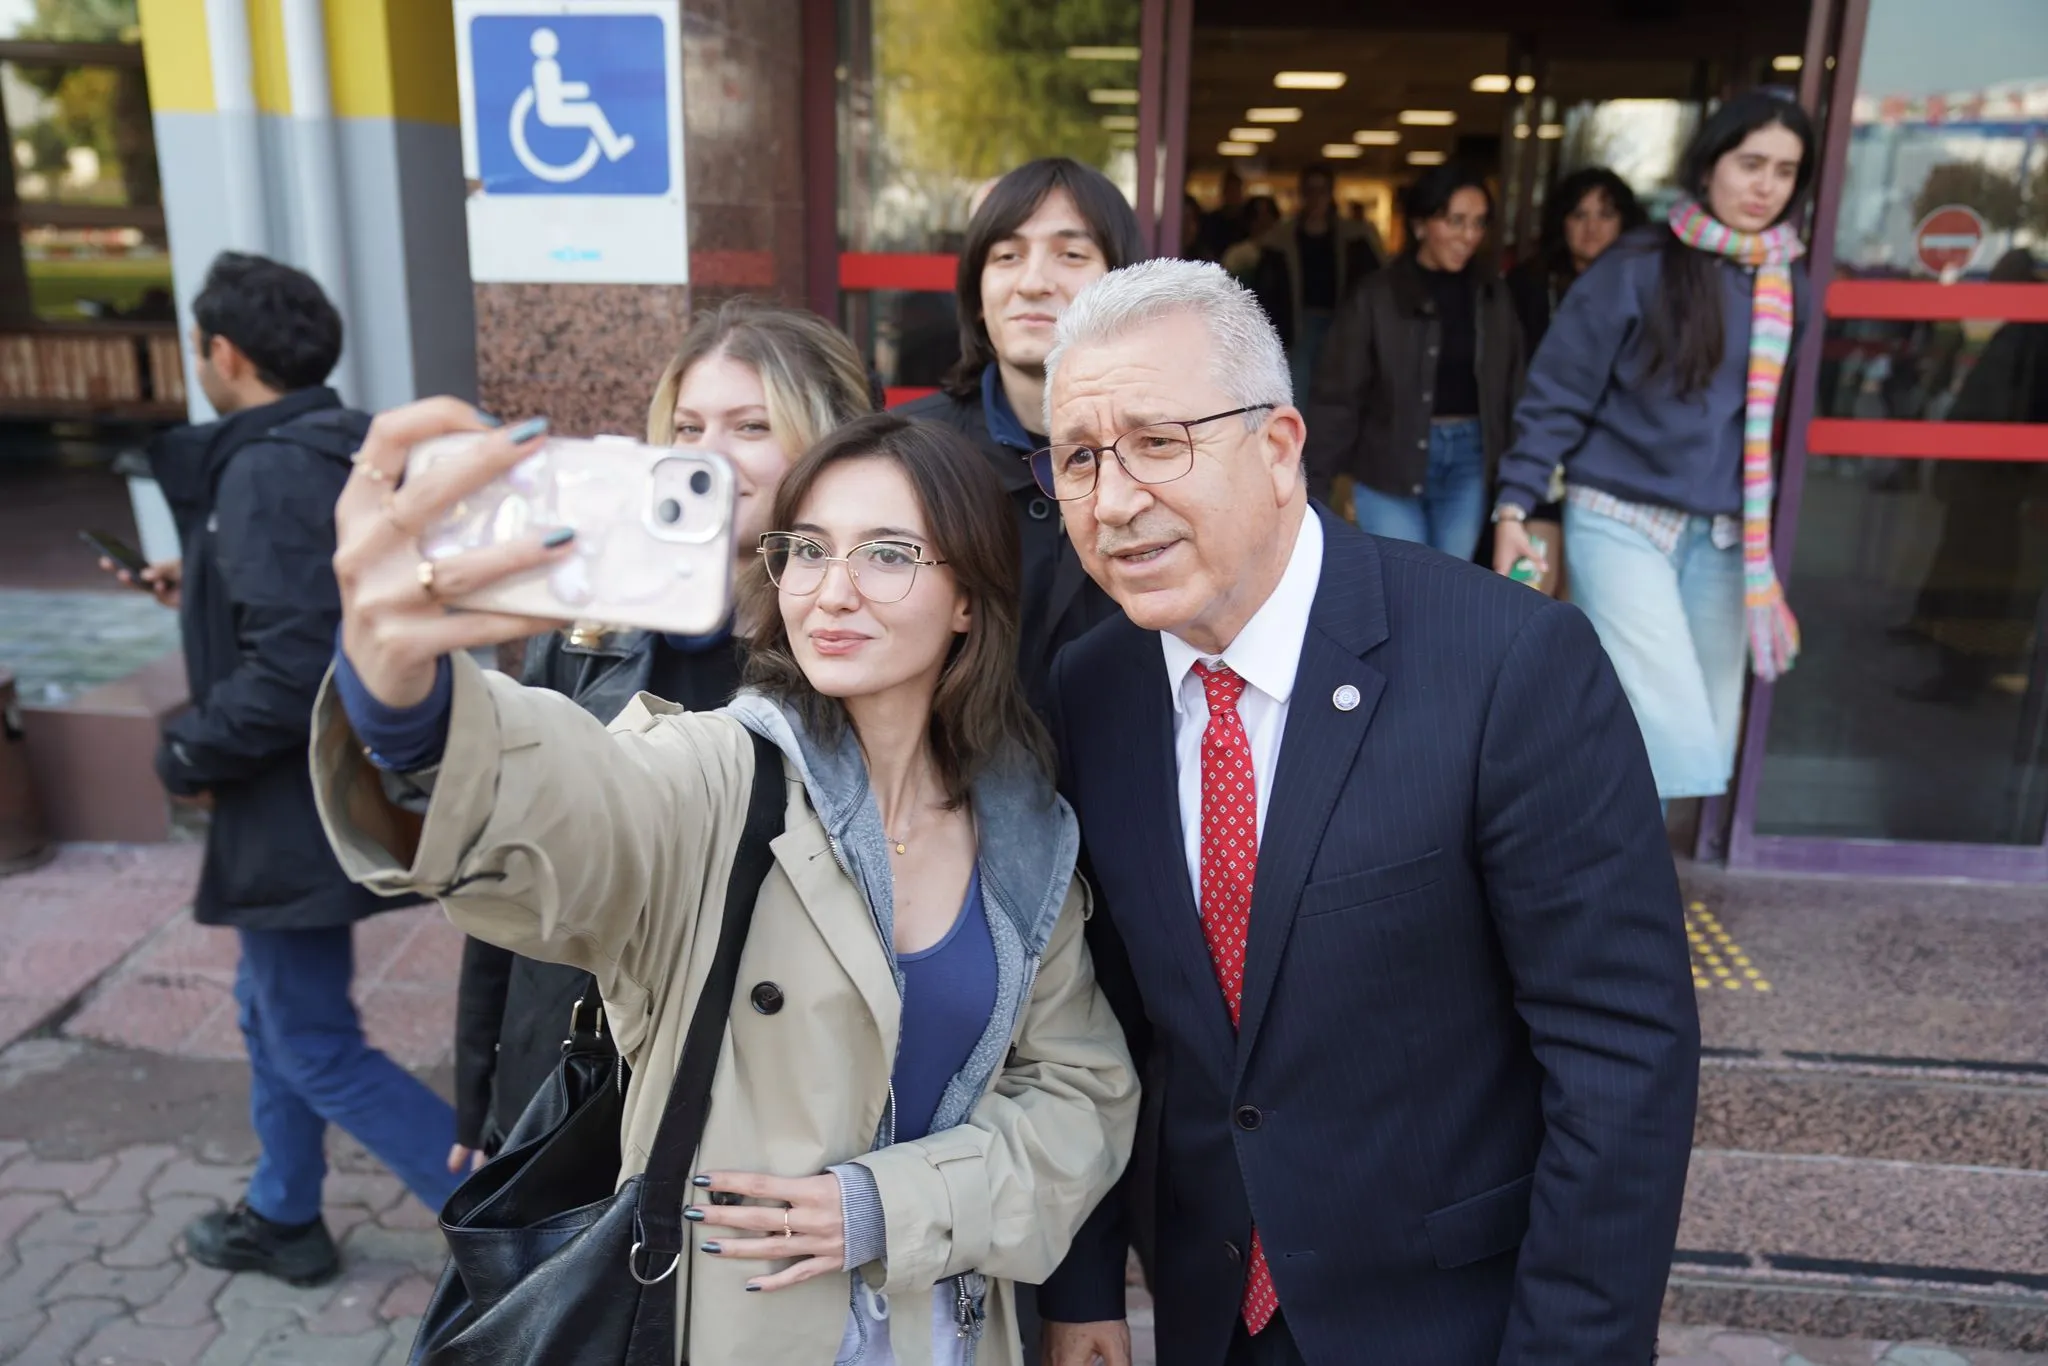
1773	633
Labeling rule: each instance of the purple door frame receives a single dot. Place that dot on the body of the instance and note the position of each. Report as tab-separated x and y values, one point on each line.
1745	848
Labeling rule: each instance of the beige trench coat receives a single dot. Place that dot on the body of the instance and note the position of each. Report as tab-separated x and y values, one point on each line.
551	839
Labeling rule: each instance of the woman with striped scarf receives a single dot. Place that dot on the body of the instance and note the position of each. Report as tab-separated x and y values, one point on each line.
1657	389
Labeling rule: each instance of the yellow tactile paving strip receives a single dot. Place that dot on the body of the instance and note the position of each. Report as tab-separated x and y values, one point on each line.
1718	962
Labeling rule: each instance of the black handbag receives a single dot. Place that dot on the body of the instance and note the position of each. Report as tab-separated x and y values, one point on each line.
547	1263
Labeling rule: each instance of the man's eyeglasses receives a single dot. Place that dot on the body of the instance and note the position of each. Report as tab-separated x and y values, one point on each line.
1156	453
882	571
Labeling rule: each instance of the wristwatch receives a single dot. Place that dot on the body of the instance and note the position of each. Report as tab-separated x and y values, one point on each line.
1509	512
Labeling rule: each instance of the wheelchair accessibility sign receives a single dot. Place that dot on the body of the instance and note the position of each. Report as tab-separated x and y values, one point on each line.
572	139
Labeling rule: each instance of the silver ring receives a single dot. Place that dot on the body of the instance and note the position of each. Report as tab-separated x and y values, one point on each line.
633	1266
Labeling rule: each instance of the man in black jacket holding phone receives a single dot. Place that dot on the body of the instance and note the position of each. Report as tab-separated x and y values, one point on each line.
253	495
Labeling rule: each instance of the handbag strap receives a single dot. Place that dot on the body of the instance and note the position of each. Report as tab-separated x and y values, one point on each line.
666	1181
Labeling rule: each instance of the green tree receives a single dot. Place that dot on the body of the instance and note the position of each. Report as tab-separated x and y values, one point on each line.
104	108
1995	195
83	21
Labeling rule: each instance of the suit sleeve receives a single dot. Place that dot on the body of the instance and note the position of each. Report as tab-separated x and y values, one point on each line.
1338	397
1585	900
1570	373
276	552
1088	1287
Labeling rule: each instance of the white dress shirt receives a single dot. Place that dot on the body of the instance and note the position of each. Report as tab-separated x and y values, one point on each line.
1266	655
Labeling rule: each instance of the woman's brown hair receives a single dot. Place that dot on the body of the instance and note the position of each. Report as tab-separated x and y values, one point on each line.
810	374
979	716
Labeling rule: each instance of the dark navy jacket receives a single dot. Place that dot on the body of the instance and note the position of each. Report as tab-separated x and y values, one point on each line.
1588	406
254	496
1459	1104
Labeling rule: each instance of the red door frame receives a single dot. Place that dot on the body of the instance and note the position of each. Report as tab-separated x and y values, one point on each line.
1810	436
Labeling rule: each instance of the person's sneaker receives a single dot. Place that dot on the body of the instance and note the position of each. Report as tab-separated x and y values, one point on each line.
240	1239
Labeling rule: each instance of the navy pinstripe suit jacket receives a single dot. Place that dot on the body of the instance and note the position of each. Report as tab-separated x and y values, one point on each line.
1460	1101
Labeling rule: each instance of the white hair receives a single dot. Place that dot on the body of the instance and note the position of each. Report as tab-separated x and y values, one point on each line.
1244	351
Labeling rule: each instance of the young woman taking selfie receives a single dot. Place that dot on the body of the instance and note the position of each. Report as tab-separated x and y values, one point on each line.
1656	389
760	385
921	1084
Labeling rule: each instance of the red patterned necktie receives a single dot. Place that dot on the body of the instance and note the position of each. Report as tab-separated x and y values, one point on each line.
1230	862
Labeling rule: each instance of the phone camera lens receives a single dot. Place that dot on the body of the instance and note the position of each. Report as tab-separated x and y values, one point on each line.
669	510
700	482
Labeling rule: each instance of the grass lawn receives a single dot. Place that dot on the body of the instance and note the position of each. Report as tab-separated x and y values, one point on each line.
57	286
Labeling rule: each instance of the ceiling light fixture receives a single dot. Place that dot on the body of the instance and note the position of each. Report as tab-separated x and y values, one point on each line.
1120	123
1492	85
1550	132
1427	118
1376	137
1268	114
1252	135
1521	130
1112	97
1524	84
1309	80
1342	151
1426	158
1236	149
1787	63
1102	54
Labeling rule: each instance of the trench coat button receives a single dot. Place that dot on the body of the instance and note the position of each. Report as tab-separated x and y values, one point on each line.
1248	1117
1422	445
1417	490
767	997
1039	509
1231	1251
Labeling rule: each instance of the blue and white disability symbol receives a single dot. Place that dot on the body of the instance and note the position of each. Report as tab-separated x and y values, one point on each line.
571	104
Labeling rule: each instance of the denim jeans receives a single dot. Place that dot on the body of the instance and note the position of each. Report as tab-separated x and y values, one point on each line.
1450	512
309	1067
1311	331
1673	625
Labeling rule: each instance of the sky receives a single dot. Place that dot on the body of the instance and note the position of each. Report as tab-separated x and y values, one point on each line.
1930	47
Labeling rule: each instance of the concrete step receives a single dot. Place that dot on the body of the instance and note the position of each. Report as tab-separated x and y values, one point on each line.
1864	1247
1948	1112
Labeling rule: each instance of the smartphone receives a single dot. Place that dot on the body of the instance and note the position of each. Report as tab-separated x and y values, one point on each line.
654	532
124	555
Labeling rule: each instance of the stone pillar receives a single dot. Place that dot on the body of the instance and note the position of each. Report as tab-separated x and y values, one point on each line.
587	356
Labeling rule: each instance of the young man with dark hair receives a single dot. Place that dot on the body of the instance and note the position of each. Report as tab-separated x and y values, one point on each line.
1040	235
253	494
1310	265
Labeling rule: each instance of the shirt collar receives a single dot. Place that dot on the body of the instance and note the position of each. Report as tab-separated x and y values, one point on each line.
1002	420
1267	652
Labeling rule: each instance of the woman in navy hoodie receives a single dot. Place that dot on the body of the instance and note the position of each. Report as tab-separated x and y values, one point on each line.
1656	388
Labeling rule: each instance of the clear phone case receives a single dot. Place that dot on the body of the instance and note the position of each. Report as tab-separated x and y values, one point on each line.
654	530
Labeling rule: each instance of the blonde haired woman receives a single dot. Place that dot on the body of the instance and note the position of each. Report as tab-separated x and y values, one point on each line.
760	385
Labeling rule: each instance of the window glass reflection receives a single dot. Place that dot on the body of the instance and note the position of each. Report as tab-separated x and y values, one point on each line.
938	96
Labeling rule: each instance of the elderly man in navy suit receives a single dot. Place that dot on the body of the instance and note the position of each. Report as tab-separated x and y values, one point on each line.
1383	885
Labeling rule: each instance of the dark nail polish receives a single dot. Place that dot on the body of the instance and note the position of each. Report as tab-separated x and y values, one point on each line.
554	540
752	1288
700	1182
527	430
711	1248
693	1214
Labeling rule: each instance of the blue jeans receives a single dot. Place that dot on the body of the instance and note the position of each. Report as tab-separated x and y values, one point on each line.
1450	512
309	1067
1673	625
1311	330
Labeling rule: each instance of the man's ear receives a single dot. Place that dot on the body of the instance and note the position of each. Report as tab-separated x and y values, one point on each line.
1286	435
228	360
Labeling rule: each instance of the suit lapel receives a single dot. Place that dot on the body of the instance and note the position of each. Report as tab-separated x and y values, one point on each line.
1151	798
1317	752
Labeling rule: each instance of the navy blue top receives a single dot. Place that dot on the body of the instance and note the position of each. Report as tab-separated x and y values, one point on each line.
405	739
1004	425
1588	407
949	992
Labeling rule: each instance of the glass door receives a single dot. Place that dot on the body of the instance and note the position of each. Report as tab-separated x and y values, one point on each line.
1913	736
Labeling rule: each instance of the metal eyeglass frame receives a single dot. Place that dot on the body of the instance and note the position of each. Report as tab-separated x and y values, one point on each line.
917	562
1187	427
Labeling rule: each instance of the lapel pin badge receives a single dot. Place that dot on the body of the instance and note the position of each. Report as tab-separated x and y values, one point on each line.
1345	698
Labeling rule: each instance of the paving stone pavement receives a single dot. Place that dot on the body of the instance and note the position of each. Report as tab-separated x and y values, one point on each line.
93	1273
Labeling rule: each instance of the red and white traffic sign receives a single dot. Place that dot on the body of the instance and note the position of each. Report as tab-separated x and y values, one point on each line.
1947	239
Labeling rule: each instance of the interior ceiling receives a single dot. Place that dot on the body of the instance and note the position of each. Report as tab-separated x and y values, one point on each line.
1423	54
